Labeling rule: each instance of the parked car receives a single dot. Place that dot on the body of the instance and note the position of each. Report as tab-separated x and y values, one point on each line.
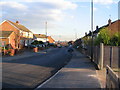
59	46
40	45
32	46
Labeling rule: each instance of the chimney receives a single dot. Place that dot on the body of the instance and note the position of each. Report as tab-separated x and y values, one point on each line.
90	32
97	27
85	33
17	22
109	22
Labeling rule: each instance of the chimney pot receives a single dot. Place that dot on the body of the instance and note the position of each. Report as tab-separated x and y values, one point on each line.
17	22
109	22
97	27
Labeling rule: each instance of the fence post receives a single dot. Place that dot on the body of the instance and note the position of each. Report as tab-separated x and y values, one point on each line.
111	56
101	55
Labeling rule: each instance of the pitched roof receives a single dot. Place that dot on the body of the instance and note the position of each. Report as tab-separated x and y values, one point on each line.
40	35
96	31
51	40
5	34
21	27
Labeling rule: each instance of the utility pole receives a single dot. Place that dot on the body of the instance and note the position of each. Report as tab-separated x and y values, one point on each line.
46	34
59	37
75	35
92	30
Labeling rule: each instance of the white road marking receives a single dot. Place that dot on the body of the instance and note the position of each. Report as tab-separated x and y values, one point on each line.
47	80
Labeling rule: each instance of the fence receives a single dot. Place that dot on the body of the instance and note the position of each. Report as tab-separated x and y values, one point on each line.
112	79
103	55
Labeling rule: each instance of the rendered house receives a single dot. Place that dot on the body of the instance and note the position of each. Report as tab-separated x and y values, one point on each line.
43	38
40	37
24	35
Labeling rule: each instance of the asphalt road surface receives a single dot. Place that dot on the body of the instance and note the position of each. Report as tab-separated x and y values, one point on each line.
32	71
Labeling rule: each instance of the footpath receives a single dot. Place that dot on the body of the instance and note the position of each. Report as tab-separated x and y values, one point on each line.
78	73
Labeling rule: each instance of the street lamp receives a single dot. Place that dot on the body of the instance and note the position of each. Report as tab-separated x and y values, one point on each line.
46	34
75	34
92	29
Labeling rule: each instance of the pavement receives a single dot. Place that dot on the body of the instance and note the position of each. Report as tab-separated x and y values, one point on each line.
78	73
101	74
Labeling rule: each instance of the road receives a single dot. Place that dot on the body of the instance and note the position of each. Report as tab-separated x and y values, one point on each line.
30	72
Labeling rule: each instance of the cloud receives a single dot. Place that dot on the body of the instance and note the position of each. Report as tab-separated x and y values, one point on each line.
33	14
13	5
72	17
104	2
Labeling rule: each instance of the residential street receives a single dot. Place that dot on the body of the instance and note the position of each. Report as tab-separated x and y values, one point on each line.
29	72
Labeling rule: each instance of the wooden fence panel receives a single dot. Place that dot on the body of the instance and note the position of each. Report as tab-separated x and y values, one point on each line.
115	57
112	79
106	57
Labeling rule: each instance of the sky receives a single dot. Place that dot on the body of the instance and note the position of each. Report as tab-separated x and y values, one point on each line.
66	19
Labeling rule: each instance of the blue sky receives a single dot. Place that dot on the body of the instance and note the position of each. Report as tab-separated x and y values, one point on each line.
67	19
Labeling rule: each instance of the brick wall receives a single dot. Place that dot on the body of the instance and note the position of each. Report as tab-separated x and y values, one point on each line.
5	26
114	27
13	40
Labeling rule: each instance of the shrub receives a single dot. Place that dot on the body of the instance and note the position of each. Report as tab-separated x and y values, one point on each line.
115	40
87	40
103	37
107	38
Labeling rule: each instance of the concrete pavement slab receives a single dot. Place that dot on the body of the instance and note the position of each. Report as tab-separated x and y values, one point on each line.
78	73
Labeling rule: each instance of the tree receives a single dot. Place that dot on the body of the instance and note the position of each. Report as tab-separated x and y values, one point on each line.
115	40
87	40
41	42
103	37
107	37
37	42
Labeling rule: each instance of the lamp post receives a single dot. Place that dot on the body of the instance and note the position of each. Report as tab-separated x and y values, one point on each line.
46	34
92	29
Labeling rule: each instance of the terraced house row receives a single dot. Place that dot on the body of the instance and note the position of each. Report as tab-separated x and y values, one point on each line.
17	36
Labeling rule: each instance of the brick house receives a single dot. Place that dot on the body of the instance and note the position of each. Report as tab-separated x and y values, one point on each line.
113	27
51	40
24	35
8	38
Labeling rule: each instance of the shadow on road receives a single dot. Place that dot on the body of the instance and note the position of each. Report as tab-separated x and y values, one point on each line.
31	71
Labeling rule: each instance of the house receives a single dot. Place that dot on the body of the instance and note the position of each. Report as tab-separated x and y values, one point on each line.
50	39
8	38
43	38
23	34
40	37
113	27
